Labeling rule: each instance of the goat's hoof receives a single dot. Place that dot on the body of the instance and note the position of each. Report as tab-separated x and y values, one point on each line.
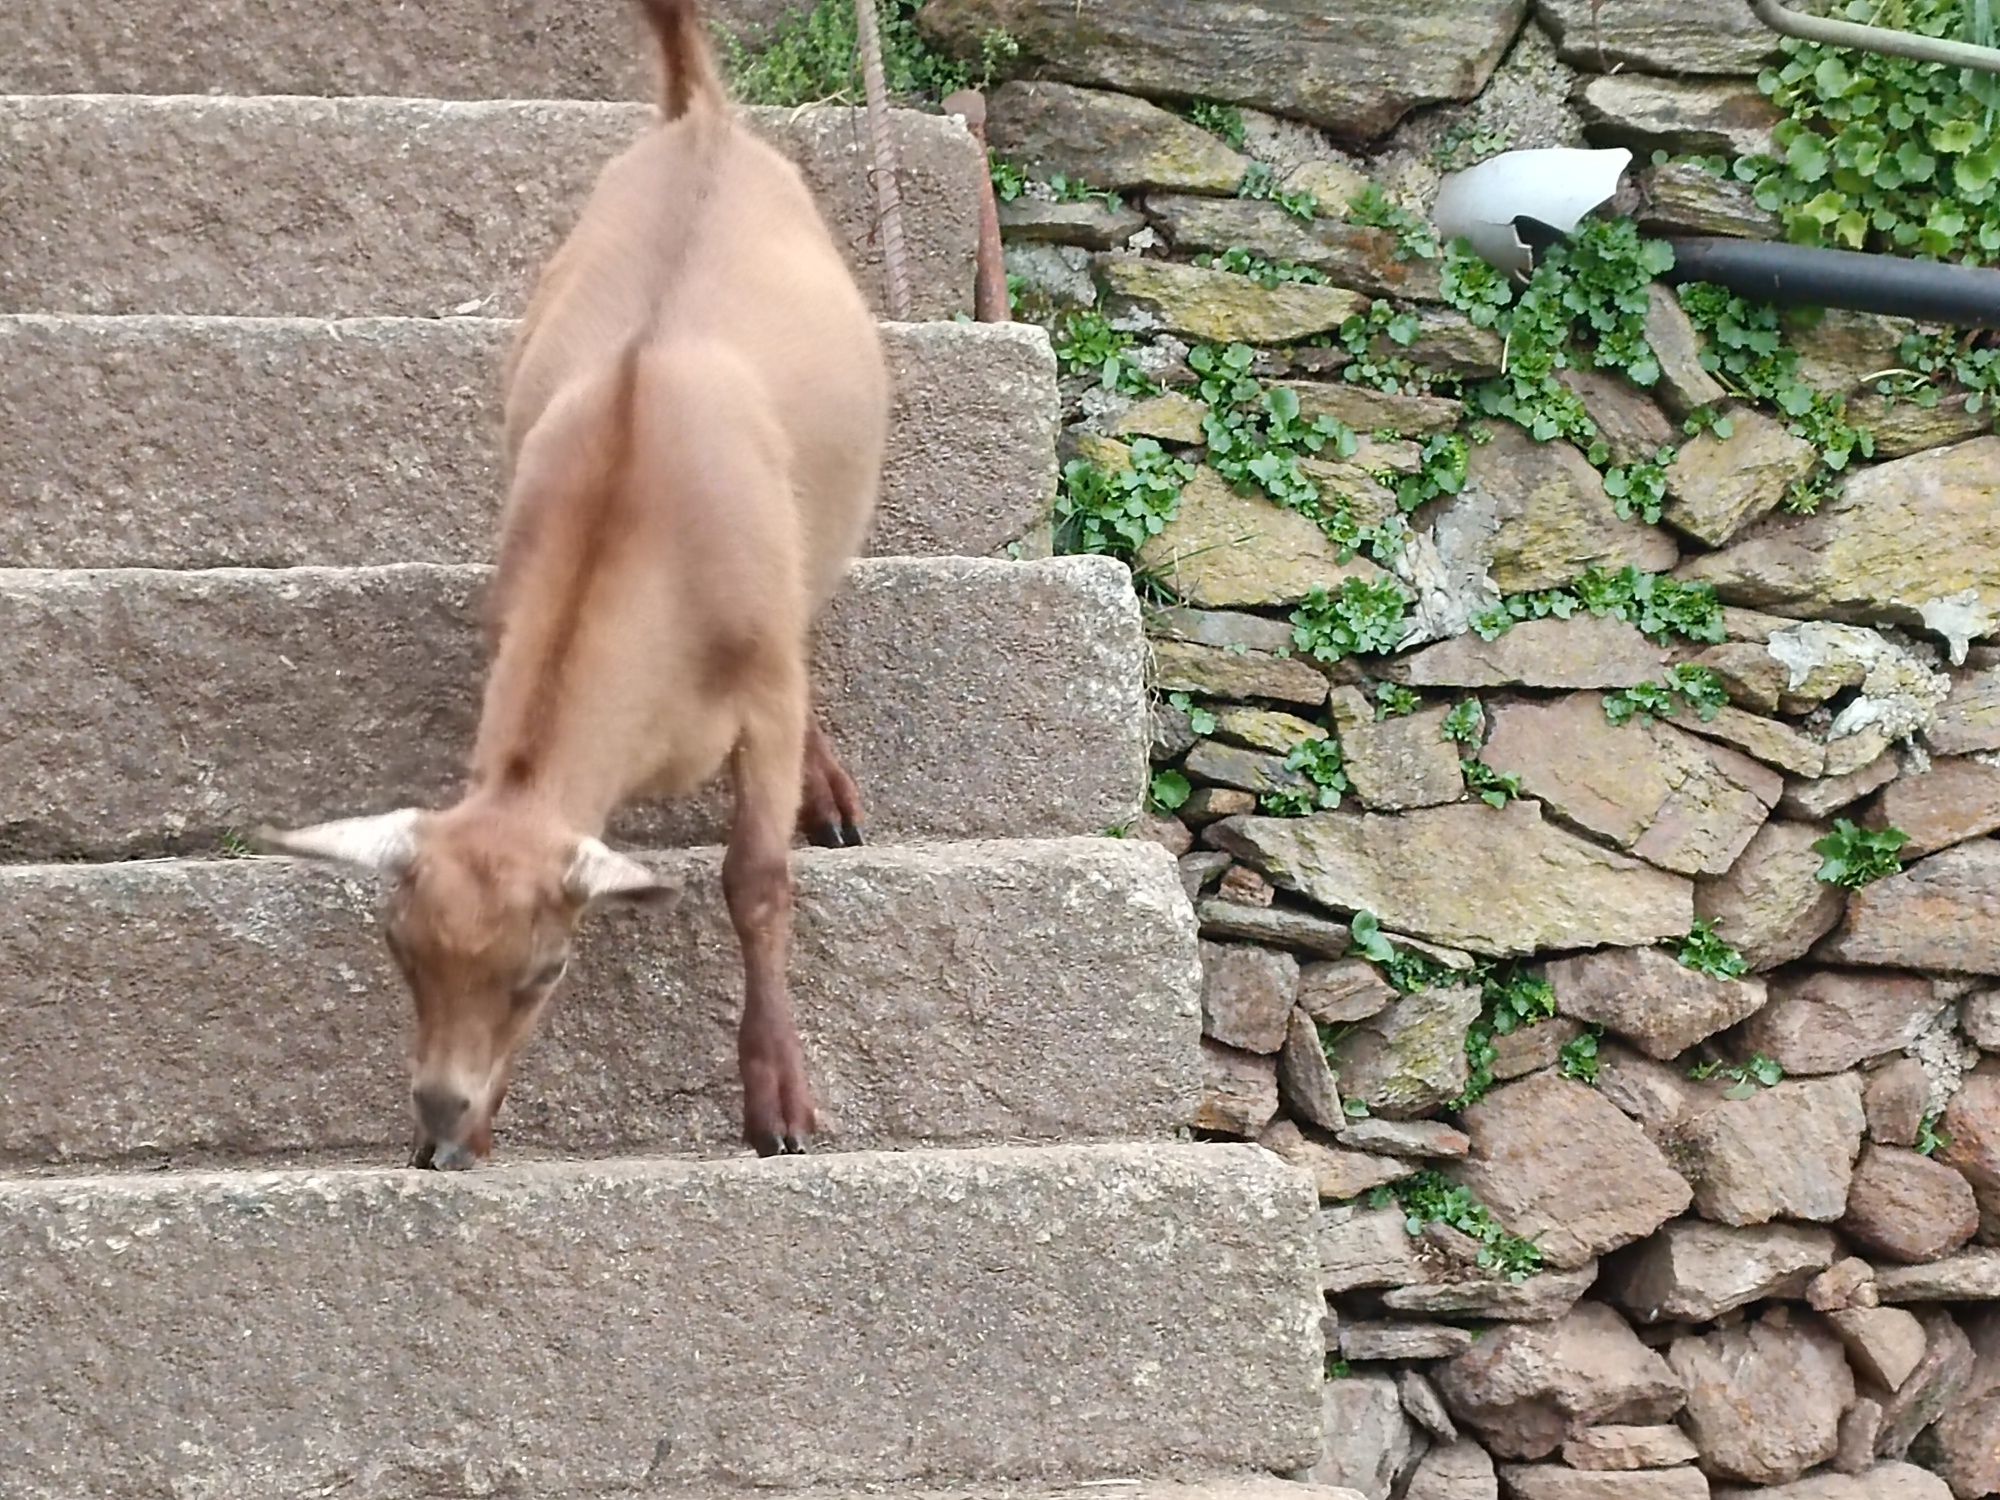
778	1145
851	832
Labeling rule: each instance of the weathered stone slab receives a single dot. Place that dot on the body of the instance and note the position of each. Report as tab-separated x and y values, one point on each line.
303	1019
444	49
417	207
1228	672
1677	801
1351	255
1524	1388
1956	799
1764	1400
1616	1449
297	1273
284	441
1828	1020
1110	140
1900	538
1649	997
1970	1276
1226	550
1770	905
1217	306
1658	36
1972	1124
1584	651
1785	1152
1366	1439
1937	914
1907	1207
1239	1091
1410	1058
1536	515
155	710
1694	1272
1555	1482
1497	881
1685	198
1684	116
1720	485
1558	1164
1356	72
1969	717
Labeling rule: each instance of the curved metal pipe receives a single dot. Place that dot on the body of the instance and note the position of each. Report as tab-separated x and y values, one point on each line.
1885	39
1805	275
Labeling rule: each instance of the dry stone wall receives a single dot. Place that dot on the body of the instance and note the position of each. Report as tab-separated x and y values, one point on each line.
1552	918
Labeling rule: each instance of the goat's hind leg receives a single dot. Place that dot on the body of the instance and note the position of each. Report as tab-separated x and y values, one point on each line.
767	768
830	813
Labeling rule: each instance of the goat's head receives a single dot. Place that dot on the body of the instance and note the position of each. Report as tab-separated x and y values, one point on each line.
483	906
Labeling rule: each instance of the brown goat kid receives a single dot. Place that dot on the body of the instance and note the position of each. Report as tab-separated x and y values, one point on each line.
697	405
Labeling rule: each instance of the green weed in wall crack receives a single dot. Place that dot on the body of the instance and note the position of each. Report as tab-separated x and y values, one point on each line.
1640	489
1511	1000
1406	969
1324	767
1269	274
1584	306
1086	344
1373	209
1578	1058
1201	720
1930	1140
1360	618
1440	472
1930	361
812	57
1744	1078
1394	701
1466	723
1261	181
1114	511
1706	951
1745	349
1886	153
1258	437
1169	791
1010	180
1852	856
1223	120
1494	788
1432	1198
1374	364
1700	687
1663	608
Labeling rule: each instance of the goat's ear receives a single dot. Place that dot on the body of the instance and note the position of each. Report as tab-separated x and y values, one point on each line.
383	843
599	873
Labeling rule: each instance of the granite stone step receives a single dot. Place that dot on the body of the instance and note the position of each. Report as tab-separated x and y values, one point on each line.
415	207
153	711
231	1012
1049	1314
212	442
446	49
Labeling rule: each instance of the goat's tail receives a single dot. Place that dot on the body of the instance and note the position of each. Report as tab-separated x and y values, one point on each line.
689	82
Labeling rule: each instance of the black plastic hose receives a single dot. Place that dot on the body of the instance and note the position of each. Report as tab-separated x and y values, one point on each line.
1804	275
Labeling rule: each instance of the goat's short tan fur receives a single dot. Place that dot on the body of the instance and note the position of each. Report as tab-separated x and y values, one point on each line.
697	404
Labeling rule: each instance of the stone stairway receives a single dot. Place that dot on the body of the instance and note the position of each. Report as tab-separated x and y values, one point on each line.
248	467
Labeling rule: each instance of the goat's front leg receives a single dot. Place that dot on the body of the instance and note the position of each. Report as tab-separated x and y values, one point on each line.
830	814
757	881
